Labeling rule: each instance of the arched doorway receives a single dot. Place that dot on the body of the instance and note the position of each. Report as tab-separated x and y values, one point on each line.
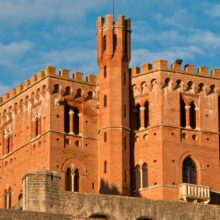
189	171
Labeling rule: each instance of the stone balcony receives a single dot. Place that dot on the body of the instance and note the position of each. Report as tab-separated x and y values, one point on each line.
194	193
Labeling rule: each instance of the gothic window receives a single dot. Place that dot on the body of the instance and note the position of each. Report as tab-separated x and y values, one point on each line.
137	177
114	42
189	171
67	91
145	175
56	88
105	167
76	180
104	43
68	180
137	117
105	137
67	119
146	114
105	72
76	120
105	100
182	113
192	115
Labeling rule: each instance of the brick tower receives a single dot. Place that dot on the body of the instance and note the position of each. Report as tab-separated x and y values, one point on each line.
113	56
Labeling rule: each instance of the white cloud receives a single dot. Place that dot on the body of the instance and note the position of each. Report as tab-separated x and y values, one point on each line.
212	10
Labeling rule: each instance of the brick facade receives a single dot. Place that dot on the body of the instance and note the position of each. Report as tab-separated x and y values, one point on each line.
126	131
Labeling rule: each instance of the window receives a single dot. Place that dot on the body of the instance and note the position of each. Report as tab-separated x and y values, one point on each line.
125	142
137	177
189	171
76	121
105	137
145	175
56	89
105	167
76	180
146	115
104	43
67	91
67	119
115	42
137	117
37	126
68	180
192	115
182	113
105	72
105	100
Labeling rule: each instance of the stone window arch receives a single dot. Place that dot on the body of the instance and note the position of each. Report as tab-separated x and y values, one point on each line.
56	88
189	171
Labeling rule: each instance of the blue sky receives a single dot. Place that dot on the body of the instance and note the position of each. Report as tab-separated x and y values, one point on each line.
37	33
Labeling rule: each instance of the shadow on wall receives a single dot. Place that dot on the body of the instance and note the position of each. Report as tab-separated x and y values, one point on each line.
105	189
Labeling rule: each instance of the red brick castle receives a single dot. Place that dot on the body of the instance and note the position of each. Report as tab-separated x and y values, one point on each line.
151	132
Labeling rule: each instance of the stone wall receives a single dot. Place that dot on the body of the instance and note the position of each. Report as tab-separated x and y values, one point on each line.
25	215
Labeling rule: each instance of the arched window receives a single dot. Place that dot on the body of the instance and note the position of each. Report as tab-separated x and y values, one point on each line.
105	100
182	113
56	88
137	177
145	175
105	167
189	171
137	117
114	42
192	115
146	115
105	72
68	180
67	91
105	137
76	121
104	43
67	119
76	180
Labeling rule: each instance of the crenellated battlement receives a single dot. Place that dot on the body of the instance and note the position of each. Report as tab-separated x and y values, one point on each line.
108	22
49	71
175	67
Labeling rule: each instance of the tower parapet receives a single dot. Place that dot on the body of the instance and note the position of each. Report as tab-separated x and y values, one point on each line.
176	67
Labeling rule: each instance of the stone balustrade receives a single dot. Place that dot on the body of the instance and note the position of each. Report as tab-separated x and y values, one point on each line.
194	193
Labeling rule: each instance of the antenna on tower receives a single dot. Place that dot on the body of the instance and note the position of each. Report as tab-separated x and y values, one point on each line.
113	9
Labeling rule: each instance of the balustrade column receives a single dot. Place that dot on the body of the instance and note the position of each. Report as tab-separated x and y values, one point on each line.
142	118
187	108
71	121
72	182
